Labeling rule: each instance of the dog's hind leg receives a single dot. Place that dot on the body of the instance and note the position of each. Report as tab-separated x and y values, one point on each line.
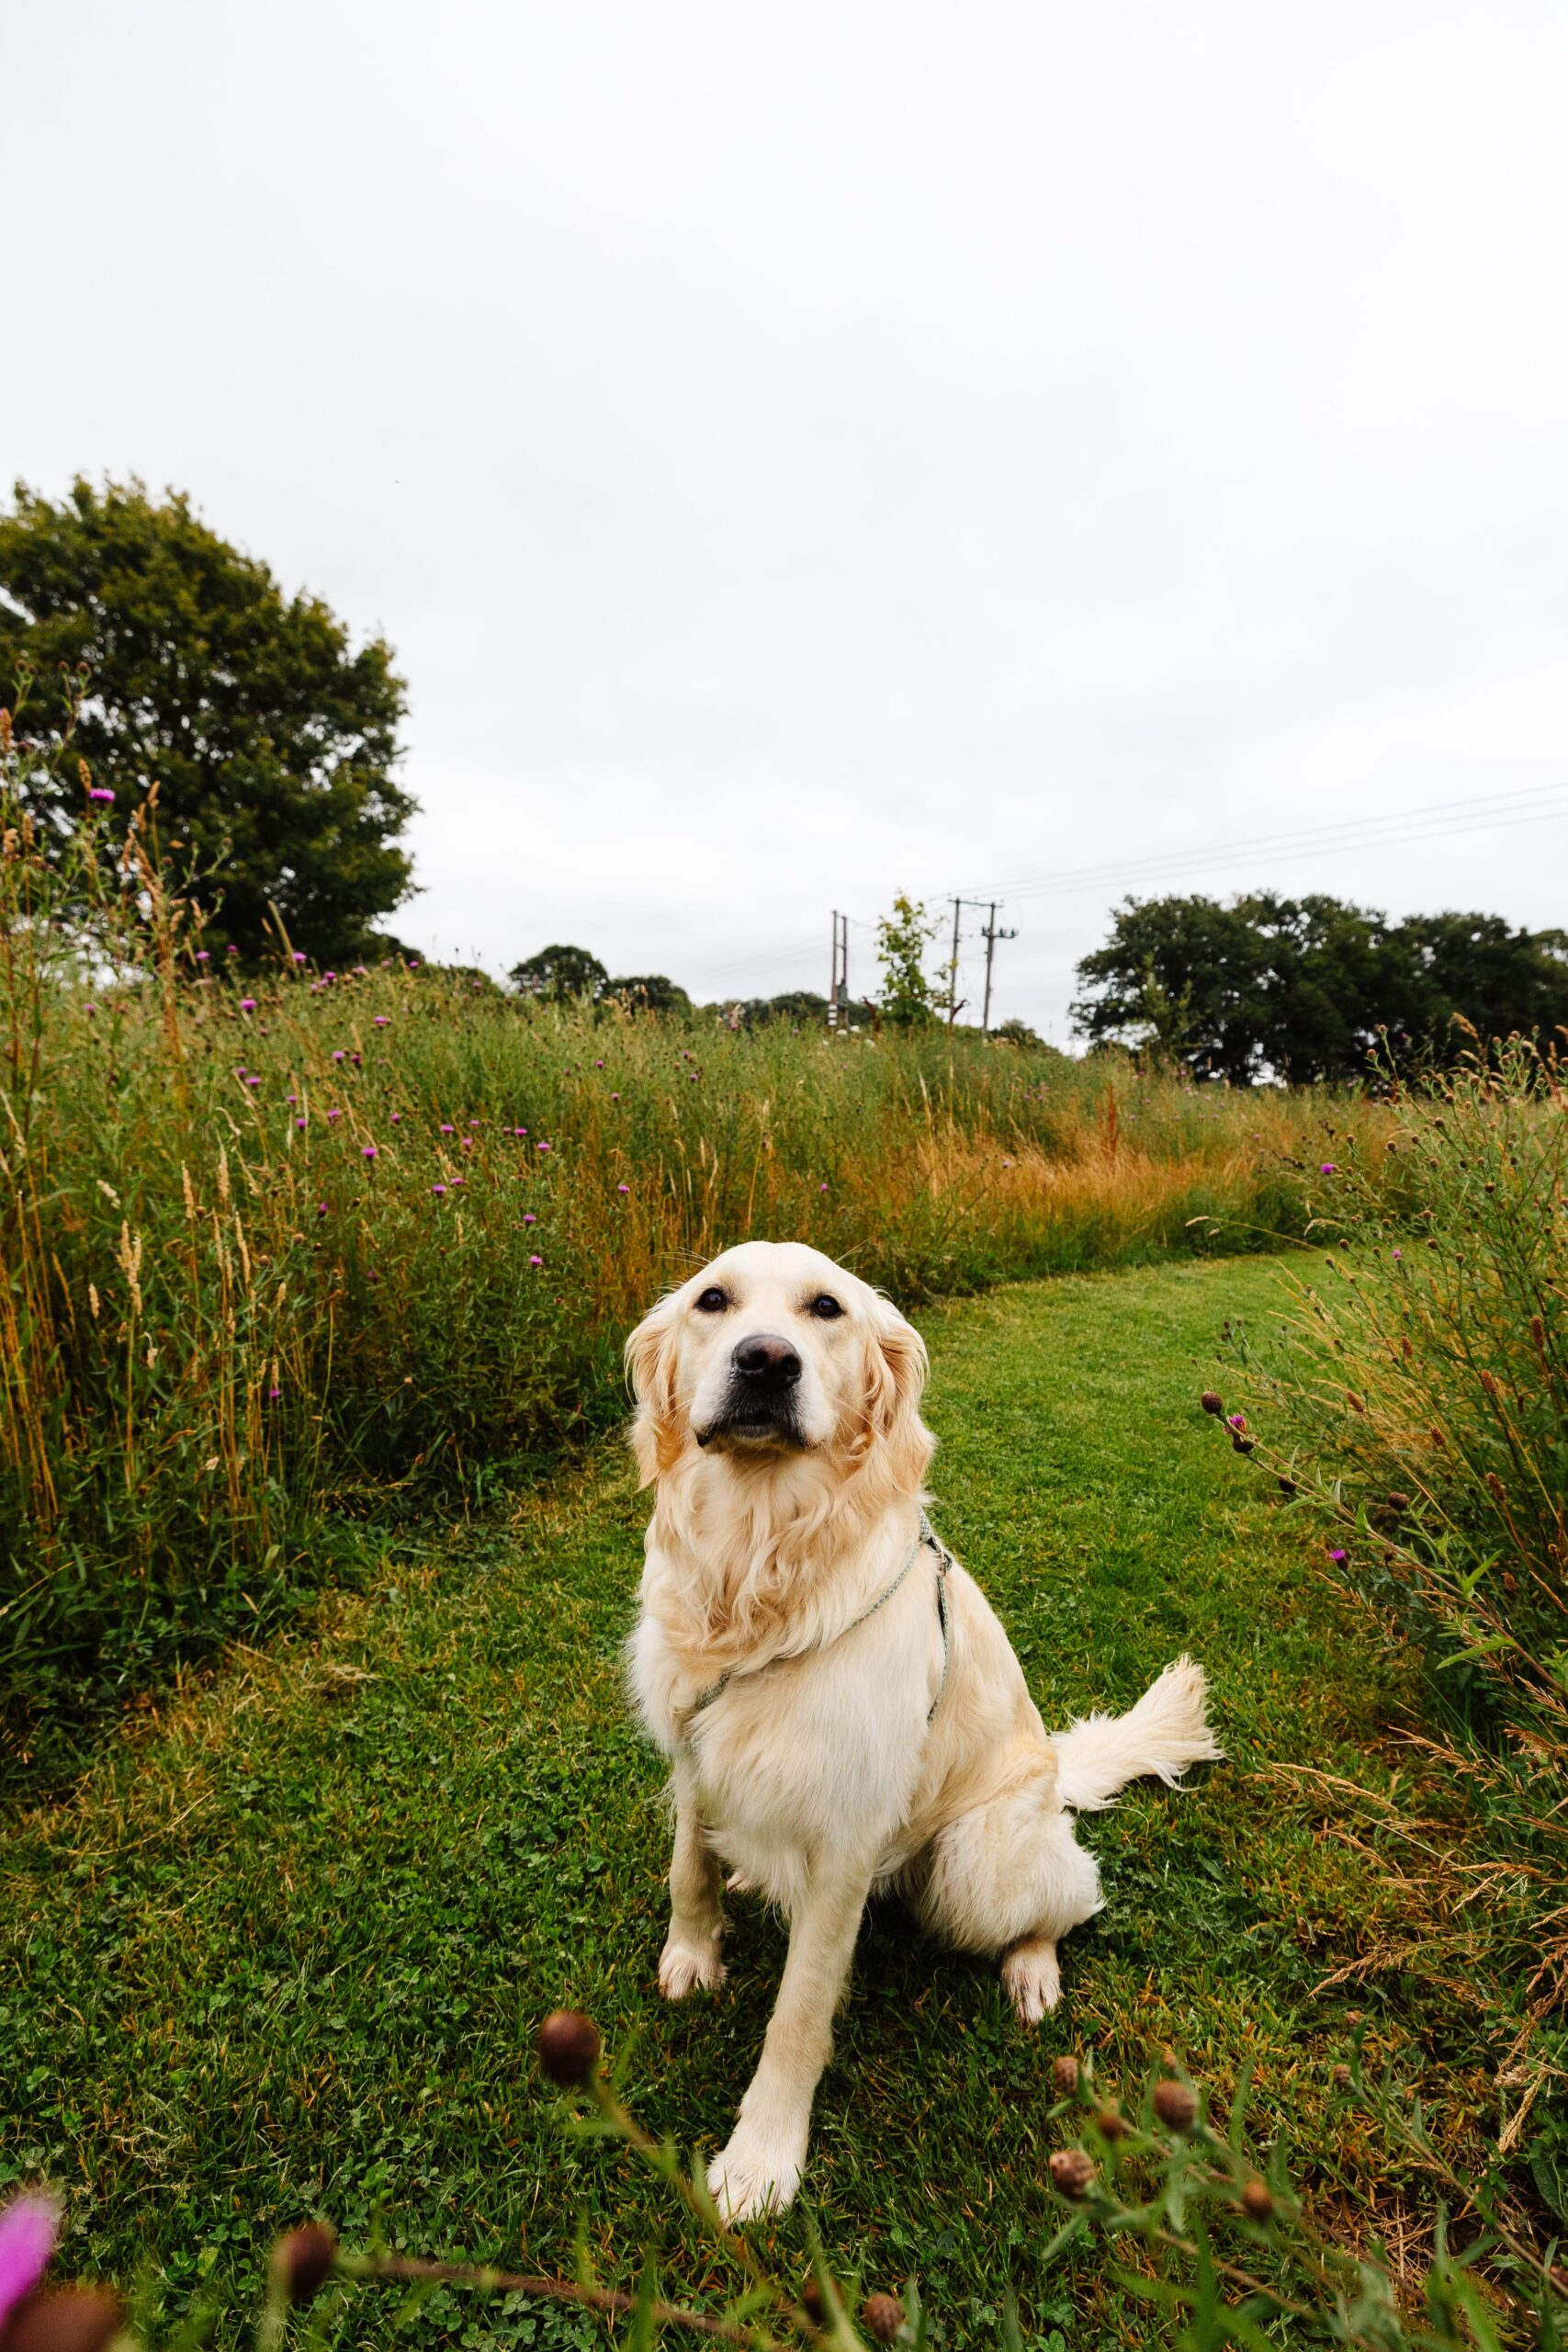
1010	1877
696	1914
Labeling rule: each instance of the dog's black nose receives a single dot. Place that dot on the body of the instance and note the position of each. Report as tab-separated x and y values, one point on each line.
769	1362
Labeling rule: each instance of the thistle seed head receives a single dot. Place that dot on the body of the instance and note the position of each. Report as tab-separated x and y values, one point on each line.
303	2261
1176	2104
569	2047
884	2316
1071	2173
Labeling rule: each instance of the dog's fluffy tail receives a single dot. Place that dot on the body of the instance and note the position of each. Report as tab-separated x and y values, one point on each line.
1165	1733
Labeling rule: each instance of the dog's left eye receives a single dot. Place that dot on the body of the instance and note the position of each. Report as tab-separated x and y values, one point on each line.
825	1307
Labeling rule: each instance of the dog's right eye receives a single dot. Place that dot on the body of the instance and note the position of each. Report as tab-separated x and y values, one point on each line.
712	1302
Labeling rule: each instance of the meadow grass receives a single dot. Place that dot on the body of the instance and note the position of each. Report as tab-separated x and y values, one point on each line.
286	1946
1414	1402
282	1251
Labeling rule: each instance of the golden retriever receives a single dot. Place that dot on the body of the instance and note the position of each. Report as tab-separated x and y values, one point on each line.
841	1708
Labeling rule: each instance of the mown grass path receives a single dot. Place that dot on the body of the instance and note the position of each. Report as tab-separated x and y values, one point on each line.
284	1949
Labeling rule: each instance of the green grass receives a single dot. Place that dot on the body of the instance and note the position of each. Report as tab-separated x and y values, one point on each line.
285	1949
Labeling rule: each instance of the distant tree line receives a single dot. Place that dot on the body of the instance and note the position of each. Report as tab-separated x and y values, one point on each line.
1303	989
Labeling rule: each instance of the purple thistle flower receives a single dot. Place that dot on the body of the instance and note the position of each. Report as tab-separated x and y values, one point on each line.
298	1123
1237	1420
1328	1169
291	1098
541	1147
413	962
519	1131
28	2226
1399	1253
466	1142
89	1008
382	1019
599	1065
247	1004
204	954
536	1262
252	1081
337	1052
367	1152
273	1395
439	1190
99	792
397	1115
822	1188
329	976
360	973
335	1115
1339	1557
446	1128
623	1188
529	1218
357	1062
615	1098
473	1123
320	1208
298	954
232	949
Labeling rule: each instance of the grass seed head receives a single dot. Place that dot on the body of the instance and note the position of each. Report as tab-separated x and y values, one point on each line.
569	2047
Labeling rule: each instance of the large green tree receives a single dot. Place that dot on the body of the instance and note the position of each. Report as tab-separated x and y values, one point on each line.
271	739
1303	988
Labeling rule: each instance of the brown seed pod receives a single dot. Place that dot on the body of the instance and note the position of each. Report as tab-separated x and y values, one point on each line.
64	2319
1176	2104
1212	1402
1064	2076
1071	2172
1341	2078
884	2316
303	2261
1256	2201
1111	2123
812	2301
569	2047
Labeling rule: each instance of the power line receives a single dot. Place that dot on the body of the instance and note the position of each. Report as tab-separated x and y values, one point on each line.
1527	805
1393	826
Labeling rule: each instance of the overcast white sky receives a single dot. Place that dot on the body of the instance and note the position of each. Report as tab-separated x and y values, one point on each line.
804	452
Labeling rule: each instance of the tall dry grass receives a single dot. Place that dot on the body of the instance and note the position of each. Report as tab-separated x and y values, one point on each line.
1419	1403
335	1237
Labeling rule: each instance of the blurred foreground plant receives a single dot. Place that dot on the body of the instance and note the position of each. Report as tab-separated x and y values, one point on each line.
1221	2243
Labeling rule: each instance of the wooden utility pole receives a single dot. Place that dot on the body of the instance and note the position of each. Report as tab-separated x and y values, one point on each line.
990	936
954	1006
839	979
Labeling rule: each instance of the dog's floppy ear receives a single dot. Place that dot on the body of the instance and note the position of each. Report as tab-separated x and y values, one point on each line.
896	1365
650	1368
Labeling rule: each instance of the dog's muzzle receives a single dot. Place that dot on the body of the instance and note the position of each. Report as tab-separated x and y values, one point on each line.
759	1403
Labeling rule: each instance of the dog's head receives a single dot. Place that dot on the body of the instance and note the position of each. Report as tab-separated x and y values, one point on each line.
772	1352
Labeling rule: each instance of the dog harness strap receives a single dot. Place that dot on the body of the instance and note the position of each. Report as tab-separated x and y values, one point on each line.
943	1561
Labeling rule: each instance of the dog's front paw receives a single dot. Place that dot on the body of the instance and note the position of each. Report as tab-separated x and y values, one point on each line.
683	1968
756	2174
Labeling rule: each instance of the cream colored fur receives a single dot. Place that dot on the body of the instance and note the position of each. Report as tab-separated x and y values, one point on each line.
813	1775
